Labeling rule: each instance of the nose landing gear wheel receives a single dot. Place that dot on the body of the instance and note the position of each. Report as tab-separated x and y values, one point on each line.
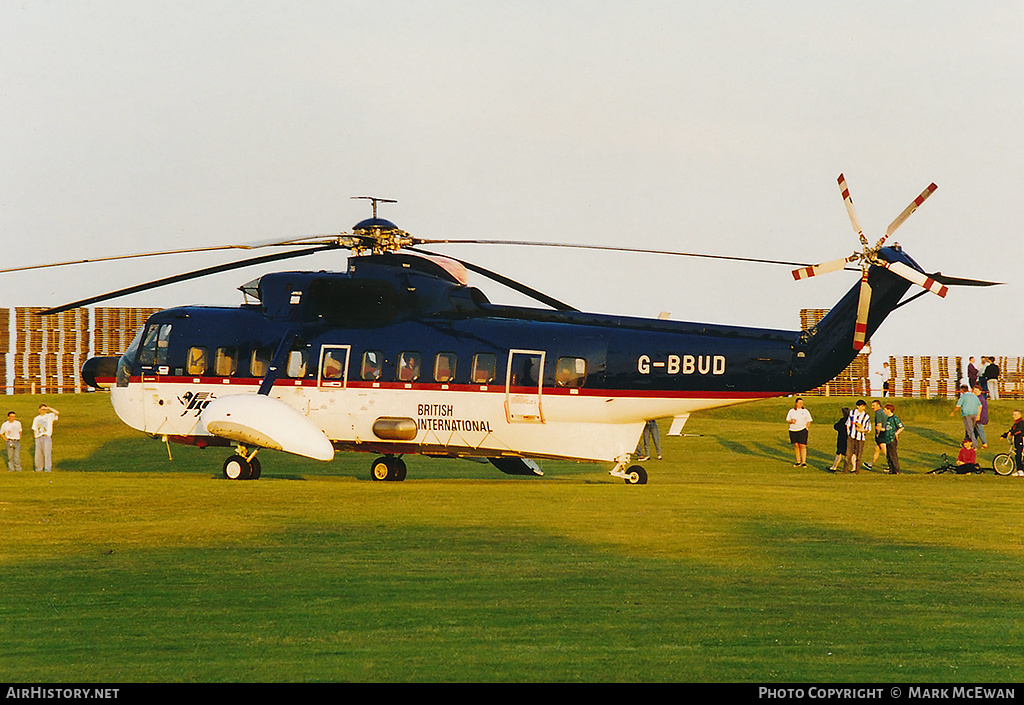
388	469
636	475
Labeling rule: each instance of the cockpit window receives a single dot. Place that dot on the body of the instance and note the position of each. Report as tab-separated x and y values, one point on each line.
155	344
124	365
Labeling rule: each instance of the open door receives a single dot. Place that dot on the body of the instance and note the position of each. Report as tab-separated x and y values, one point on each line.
333	371
524	382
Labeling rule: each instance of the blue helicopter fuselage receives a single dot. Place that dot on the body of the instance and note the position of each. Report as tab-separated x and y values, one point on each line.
399	356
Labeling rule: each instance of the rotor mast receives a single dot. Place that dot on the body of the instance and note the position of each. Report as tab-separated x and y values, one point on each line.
377	235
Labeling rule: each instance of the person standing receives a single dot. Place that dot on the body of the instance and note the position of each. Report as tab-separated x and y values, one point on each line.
992	378
650	439
798	419
841	436
1016	435
972	373
878	419
970	409
858	425
11	432
979	426
42	429
892	428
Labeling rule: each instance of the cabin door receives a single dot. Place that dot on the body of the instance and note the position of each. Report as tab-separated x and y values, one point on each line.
524	382
333	370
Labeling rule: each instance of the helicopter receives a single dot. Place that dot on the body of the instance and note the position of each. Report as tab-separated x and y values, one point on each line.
400	355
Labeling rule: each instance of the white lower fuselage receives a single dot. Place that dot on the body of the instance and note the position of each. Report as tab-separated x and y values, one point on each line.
455	420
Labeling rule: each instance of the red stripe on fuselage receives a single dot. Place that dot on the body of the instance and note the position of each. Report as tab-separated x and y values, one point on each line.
463	388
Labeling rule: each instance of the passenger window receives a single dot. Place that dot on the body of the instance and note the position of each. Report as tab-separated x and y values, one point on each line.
444	367
260	361
296	364
408	367
571	372
225	361
373	362
334	364
198	361
483	369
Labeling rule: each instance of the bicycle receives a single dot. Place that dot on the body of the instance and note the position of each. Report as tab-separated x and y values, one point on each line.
951	466
1006	463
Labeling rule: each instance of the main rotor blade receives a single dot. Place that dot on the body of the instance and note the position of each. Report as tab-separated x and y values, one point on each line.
912	275
510	283
608	248
824	268
305	241
914	205
187	276
957	281
113	258
850	210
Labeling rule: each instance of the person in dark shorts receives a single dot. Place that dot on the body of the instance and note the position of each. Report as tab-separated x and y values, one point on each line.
798	419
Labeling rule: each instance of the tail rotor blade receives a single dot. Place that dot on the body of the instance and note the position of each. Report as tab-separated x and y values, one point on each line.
914	205
848	200
912	275
860	331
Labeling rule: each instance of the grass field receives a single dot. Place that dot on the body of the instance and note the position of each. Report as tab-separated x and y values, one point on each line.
731	565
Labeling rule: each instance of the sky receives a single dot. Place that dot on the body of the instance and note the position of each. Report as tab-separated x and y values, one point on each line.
716	127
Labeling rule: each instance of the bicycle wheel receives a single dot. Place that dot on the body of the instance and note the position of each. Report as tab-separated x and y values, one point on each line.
1003	464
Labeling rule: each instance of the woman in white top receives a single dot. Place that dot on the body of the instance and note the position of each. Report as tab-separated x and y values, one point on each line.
798	418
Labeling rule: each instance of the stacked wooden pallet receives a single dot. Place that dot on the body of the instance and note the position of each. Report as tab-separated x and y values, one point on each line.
44	354
851	382
1011	377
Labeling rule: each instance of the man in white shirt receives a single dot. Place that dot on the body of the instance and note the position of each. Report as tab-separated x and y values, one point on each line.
11	432
42	428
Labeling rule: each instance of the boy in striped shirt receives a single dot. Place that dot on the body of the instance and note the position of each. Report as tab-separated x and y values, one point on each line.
857	427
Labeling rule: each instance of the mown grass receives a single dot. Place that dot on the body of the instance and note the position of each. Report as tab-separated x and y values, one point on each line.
731	565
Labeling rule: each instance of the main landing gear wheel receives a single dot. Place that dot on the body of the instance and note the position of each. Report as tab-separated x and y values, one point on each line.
238	468
388	469
636	475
